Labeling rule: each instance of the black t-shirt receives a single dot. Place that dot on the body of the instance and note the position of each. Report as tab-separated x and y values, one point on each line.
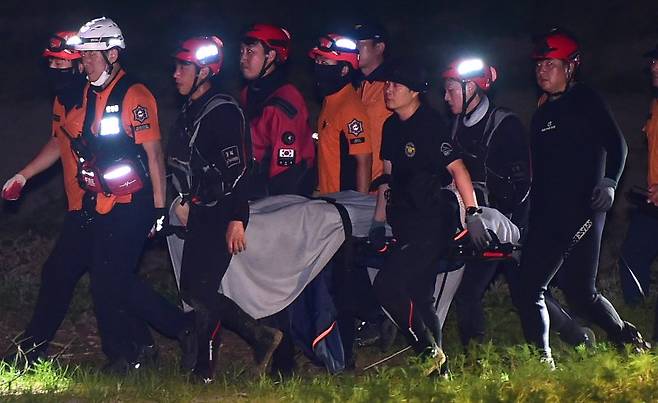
419	150
575	141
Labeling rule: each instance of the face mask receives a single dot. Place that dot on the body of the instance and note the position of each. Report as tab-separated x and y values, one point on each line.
67	85
98	84
60	79
328	78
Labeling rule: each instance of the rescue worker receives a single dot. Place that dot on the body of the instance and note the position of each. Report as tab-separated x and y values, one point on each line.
578	155
344	145
210	155
277	114
58	278
371	43
497	155
371	40
120	166
281	137
419	159
639	249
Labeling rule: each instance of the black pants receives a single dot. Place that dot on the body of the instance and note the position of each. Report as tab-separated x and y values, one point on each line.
475	282
405	284
59	276
112	245
204	263
552	249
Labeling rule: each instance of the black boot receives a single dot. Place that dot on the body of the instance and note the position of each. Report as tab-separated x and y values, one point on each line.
578	335
207	343
262	339
26	352
189	345
630	335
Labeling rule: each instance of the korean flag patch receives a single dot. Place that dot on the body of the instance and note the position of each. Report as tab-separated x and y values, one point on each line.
231	156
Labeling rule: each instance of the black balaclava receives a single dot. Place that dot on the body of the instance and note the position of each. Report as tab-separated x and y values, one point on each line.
67	85
328	78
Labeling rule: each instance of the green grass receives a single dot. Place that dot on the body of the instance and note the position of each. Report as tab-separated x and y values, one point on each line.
503	370
486	374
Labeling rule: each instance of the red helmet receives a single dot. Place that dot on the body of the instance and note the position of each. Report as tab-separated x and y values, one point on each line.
337	47
472	69
557	45
57	46
277	38
203	51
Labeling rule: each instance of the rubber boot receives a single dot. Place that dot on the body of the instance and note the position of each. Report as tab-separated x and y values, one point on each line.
207	333
630	335
189	344
262	339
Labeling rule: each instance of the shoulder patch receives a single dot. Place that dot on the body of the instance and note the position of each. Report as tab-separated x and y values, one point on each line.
231	156
355	127
283	105
140	114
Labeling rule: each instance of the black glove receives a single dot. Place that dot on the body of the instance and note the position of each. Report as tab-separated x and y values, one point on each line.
161	223
603	195
377	235
477	230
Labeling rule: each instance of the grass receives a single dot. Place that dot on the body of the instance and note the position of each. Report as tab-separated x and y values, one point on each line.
485	374
503	370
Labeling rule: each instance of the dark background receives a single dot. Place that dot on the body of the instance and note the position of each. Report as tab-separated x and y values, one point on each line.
613	35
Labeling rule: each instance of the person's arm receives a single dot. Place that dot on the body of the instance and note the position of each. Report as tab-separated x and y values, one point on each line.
463	182
363	172
228	149
47	156
380	207
156	168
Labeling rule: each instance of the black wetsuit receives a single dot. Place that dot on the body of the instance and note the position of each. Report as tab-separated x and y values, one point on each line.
423	219
218	195
575	143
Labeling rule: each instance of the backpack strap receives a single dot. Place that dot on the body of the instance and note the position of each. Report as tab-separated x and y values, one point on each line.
283	105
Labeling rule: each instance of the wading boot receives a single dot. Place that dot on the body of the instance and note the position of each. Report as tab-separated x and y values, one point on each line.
262	339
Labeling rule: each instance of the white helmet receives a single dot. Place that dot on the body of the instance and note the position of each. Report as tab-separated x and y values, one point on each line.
98	34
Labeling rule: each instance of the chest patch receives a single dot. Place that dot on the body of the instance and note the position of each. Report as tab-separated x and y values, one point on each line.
550	125
446	149
410	150
355	127
140	114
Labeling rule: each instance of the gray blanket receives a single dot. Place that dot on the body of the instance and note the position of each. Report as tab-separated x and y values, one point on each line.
289	241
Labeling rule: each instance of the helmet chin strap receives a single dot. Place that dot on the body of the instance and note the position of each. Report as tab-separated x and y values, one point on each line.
571	72
196	84
266	66
466	102
105	75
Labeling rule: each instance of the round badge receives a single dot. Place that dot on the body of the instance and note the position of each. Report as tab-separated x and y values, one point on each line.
409	149
288	138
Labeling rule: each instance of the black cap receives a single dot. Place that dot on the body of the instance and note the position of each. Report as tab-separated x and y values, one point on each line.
408	72
653	53
369	30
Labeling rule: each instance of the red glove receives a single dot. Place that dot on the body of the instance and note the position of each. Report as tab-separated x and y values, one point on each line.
13	187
